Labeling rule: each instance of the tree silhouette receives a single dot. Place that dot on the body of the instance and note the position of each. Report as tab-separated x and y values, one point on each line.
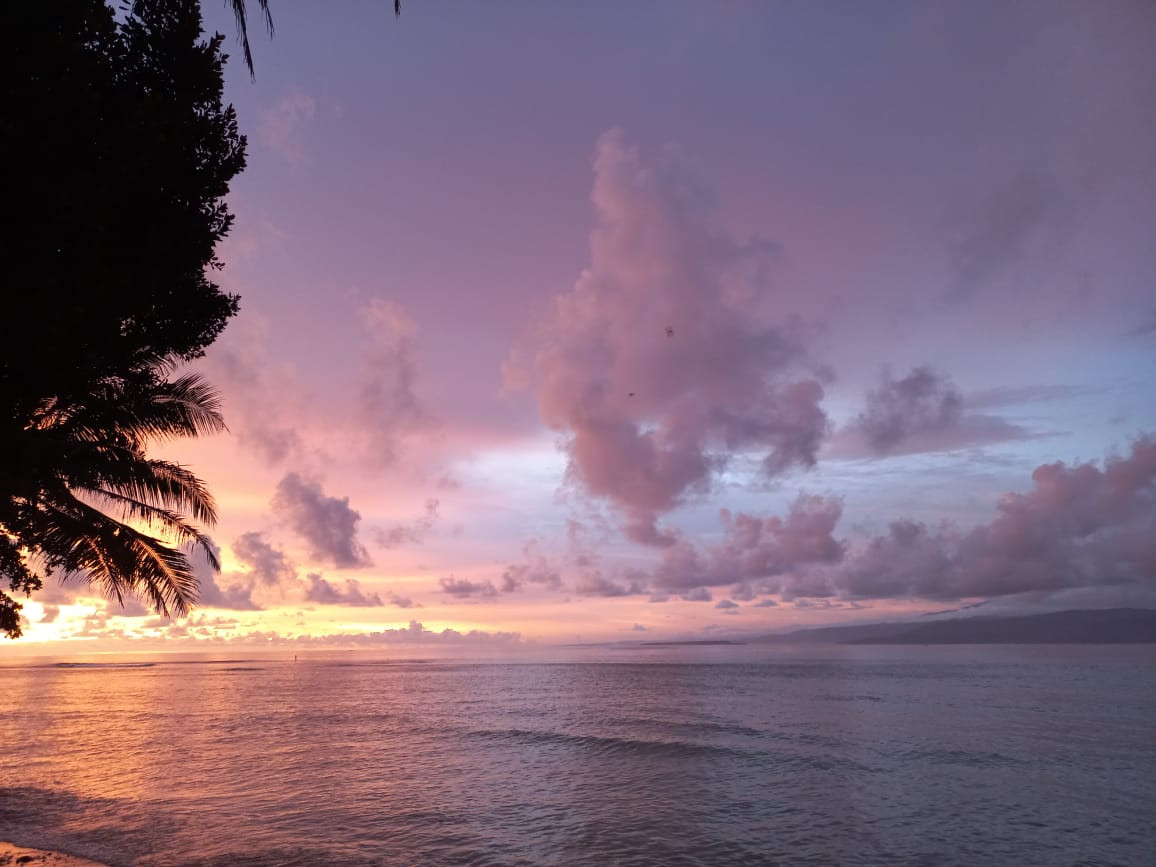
118	155
85	499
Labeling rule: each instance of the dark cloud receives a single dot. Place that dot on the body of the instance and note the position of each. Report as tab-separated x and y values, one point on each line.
327	524
400	601
412	533
662	360
463	588
267	565
592	582
923	401
996	234
725	604
325	592
922	412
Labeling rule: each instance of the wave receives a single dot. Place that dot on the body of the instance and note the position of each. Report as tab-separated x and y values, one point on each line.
635	748
609	745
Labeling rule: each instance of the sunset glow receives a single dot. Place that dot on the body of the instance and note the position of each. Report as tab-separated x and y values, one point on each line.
552	333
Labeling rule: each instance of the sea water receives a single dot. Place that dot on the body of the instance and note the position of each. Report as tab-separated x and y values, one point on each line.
708	756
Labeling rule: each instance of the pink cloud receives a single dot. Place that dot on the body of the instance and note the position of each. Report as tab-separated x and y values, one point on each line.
757	549
664	359
1079	526
389	404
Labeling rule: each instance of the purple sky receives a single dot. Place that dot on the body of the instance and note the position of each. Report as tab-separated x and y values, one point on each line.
619	320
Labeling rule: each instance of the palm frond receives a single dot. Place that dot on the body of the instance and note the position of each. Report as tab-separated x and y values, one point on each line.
241	14
116	557
157	484
171	524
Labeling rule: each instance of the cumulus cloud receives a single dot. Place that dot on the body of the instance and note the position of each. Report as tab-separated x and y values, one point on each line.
267	565
663	360
325	592
328	525
463	588
1081	529
756	550
412	533
726	604
51	612
389	405
1079	526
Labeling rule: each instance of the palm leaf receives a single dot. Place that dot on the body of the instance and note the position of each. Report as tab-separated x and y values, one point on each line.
117	558
241	14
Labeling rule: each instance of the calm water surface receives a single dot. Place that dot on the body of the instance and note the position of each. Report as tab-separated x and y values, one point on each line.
664	756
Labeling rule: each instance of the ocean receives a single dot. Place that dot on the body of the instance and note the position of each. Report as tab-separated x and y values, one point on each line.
744	755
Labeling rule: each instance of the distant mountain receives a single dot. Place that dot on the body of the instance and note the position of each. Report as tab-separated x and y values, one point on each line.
1103	626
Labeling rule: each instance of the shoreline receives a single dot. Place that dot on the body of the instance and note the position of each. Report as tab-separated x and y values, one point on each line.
12	855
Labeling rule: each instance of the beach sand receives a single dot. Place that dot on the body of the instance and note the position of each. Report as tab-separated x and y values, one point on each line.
11	856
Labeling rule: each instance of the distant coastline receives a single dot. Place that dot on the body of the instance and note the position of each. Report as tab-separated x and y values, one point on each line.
709	642
1100	626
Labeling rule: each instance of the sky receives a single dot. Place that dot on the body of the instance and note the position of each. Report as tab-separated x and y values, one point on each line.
587	322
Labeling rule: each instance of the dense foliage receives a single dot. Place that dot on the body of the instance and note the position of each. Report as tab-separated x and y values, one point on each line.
118	155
